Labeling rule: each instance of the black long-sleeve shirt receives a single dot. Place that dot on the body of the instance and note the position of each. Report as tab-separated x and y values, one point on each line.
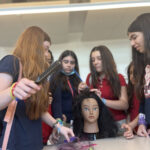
62	103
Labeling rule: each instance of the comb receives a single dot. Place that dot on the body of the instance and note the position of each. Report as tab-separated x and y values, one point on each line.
54	67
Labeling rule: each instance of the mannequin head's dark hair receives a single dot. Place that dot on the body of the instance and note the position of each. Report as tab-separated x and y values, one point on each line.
106	123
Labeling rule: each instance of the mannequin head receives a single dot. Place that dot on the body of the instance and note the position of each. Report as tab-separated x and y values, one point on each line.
101	120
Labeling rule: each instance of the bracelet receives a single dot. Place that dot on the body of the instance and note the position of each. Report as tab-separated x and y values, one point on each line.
142	120
58	121
58	128
12	90
104	100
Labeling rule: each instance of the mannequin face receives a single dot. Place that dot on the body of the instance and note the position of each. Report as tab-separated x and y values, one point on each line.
90	110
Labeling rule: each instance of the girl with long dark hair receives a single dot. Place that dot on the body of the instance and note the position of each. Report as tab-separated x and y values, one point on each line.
139	35
64	86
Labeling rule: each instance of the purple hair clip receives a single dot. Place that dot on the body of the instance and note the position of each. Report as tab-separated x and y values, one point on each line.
72	139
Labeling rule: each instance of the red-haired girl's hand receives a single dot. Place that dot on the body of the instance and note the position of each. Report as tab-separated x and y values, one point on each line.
25	88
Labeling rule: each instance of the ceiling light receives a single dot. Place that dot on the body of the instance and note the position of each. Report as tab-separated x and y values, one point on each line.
71	7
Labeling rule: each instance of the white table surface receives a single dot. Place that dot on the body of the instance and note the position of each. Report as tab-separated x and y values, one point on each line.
119	143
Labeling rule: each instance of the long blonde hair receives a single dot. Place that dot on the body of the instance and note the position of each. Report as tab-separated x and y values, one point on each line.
30	51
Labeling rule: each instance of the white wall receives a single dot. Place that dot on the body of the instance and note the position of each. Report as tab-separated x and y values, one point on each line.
120	48
4	51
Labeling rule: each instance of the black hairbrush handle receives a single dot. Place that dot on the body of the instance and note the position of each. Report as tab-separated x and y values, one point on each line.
54	67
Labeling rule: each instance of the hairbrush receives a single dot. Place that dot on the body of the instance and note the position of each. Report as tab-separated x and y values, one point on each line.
53	67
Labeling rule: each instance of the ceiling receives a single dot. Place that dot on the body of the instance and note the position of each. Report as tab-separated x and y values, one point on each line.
65	27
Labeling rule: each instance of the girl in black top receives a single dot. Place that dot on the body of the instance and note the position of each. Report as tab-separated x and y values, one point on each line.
64	86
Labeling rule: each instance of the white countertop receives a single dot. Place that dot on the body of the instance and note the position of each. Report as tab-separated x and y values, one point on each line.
119	143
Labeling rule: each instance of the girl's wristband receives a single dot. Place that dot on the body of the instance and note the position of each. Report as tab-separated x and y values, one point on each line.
104	100
12	90
142	120
58	124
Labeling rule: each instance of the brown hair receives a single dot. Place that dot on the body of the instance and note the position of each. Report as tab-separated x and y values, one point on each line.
30	51
130	87
46	37
109	68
